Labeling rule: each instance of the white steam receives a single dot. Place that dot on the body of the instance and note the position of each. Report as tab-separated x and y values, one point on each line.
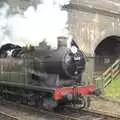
47	22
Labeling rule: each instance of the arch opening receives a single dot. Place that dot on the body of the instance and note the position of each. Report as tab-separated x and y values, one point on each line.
106	53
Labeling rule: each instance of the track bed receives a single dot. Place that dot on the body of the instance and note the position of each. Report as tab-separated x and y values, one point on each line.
23	112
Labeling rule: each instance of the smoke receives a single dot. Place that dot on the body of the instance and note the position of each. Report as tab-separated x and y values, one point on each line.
46	22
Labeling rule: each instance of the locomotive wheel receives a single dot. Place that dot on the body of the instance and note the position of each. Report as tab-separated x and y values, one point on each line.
81	102
49	104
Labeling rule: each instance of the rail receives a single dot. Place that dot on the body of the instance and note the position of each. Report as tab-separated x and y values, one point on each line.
5	116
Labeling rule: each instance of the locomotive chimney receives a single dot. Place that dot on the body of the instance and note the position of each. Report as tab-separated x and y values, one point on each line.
62	41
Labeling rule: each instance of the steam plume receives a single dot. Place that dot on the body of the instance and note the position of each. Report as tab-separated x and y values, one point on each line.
46	22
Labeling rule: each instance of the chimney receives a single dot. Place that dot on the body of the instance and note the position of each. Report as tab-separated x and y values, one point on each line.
62	41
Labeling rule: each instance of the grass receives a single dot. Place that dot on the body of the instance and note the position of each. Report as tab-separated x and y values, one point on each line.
113	89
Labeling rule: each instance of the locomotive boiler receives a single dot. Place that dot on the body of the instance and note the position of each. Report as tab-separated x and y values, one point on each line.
43	76
61	62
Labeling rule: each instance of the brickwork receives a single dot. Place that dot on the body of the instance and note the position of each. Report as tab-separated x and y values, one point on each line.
91	22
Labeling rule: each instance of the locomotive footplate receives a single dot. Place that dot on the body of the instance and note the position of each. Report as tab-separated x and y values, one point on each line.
70	92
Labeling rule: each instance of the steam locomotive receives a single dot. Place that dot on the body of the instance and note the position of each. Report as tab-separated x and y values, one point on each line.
44	77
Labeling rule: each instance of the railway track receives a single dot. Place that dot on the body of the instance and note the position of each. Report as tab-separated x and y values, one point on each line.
68	113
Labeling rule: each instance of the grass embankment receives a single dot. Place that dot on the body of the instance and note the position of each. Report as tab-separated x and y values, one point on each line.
113	89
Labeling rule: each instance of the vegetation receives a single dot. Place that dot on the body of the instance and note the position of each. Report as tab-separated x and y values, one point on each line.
113	89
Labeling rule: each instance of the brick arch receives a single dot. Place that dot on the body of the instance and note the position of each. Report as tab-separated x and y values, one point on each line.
106	52
102	38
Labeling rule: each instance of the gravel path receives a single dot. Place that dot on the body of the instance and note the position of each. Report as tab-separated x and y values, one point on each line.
108	106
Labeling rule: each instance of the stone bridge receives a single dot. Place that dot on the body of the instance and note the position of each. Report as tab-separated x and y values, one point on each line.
92	21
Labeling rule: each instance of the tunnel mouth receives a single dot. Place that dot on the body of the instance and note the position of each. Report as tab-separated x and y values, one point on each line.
106	53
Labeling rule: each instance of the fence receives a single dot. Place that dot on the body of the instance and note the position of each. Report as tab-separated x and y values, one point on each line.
110	74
